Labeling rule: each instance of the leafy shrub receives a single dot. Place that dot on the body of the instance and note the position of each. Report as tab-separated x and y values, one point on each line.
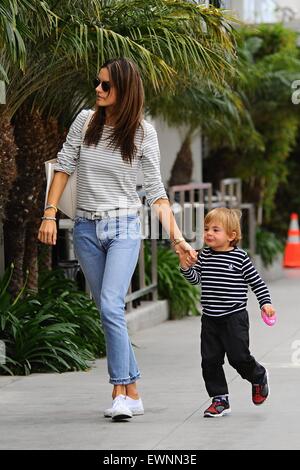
268	246
183	297
75	306
57	329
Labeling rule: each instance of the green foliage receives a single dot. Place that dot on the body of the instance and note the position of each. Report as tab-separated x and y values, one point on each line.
164	38
270	39
202	104
75	306
183	297
57	329
268	246
257	153
288	196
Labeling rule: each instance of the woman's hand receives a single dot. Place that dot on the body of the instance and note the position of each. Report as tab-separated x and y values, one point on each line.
48	232
187	255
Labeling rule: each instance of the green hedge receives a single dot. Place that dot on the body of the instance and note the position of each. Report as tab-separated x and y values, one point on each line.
183	297
58	329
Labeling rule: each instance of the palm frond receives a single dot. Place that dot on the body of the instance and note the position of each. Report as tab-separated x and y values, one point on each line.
22	20
165	38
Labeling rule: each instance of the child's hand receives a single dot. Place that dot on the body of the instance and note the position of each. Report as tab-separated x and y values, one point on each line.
187	255
268	309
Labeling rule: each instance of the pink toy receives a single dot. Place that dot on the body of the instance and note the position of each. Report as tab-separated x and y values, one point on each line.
270	321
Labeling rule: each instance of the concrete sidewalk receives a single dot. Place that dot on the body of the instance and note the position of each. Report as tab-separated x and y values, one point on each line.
64	411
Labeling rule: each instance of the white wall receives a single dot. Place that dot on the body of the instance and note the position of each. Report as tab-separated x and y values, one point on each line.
264	11
170	140
253	11
288	9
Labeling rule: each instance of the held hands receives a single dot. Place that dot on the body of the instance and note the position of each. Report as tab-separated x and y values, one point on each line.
186	254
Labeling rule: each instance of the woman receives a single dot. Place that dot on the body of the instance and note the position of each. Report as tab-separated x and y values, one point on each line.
107	236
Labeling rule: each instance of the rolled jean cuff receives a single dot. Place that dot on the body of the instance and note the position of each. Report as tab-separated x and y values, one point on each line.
129	380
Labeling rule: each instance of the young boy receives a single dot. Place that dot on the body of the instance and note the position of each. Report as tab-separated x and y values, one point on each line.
224	271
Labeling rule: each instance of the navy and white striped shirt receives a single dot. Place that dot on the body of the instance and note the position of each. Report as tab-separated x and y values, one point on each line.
224	278
104	180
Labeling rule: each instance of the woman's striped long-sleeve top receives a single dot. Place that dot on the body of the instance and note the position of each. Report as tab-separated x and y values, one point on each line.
104	180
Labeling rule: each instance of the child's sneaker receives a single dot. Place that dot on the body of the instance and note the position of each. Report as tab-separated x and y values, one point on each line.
260	392
219	407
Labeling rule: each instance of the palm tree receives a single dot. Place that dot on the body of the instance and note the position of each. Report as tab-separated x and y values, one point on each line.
19	21
257	153
23	210
166	38
200	106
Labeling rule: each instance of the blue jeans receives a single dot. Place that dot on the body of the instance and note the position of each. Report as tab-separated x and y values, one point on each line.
107	250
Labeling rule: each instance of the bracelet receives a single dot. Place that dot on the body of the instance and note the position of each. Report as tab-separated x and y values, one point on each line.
177	240
51	206
48	218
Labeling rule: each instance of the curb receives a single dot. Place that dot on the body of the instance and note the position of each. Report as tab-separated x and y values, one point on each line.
149	314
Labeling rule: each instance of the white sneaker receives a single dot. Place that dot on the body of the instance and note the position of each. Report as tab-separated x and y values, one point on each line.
135	406
119	409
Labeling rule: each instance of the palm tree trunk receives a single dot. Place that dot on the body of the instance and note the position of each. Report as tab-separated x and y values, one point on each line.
30	260
8	151
44	257
22	207
182	169
49	142
14	243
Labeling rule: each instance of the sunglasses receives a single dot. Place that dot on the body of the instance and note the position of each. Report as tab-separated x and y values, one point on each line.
106	86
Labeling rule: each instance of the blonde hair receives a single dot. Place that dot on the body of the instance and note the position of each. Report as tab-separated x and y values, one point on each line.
229	219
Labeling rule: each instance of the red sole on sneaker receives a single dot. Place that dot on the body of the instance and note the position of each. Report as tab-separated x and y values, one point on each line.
224	413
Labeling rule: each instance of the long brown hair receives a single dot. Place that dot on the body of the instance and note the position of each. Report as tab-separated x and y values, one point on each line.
128	109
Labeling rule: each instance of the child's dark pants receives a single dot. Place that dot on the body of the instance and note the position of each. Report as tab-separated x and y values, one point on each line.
230	335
